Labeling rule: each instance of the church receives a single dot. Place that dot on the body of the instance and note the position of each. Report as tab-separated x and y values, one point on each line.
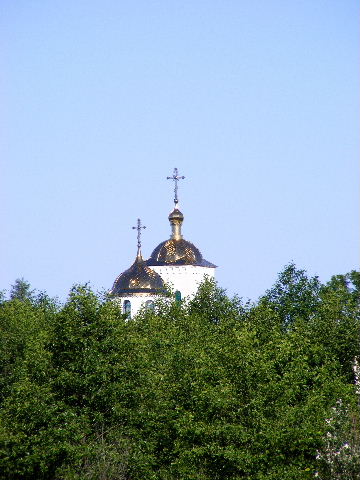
175	263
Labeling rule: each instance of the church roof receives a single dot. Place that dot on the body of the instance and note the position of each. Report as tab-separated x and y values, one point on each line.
177	252
139	278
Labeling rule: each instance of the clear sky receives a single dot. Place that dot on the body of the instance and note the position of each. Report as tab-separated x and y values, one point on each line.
255	101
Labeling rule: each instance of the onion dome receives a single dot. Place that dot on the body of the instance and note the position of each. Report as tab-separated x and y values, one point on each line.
177	250
176	216
139	278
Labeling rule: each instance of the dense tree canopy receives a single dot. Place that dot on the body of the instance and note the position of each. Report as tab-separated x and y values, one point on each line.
212	389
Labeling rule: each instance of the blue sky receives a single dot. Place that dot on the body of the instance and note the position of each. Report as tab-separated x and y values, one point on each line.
256	102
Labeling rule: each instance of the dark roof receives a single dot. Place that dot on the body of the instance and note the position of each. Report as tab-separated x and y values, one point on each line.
139	278
177	252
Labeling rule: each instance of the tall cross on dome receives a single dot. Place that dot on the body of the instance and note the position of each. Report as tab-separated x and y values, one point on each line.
176	178
138	228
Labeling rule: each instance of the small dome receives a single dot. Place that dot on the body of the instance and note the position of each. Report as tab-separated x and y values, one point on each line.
138	279
175	252
176	215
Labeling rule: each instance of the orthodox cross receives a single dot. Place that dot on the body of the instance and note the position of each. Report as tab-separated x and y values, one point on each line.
176	178
138	228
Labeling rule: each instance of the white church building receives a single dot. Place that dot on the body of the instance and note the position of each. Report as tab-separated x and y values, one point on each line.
174	263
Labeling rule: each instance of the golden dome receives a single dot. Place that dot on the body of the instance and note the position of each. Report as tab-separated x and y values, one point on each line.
177	250
176	215
139	278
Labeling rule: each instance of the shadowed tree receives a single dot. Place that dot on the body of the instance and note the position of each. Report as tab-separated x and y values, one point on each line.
21	290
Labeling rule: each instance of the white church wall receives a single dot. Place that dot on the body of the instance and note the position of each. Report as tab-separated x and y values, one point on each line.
184	278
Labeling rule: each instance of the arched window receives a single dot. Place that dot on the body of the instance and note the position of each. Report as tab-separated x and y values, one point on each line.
178	296
127	307
149	305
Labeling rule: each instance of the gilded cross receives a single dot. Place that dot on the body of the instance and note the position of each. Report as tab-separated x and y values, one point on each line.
176	178
138	228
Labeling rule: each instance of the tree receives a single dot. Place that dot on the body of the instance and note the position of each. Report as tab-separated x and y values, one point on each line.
21	290
209	389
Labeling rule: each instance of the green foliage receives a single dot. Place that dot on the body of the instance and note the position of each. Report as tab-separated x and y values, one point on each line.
293	296
211	389
21	290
